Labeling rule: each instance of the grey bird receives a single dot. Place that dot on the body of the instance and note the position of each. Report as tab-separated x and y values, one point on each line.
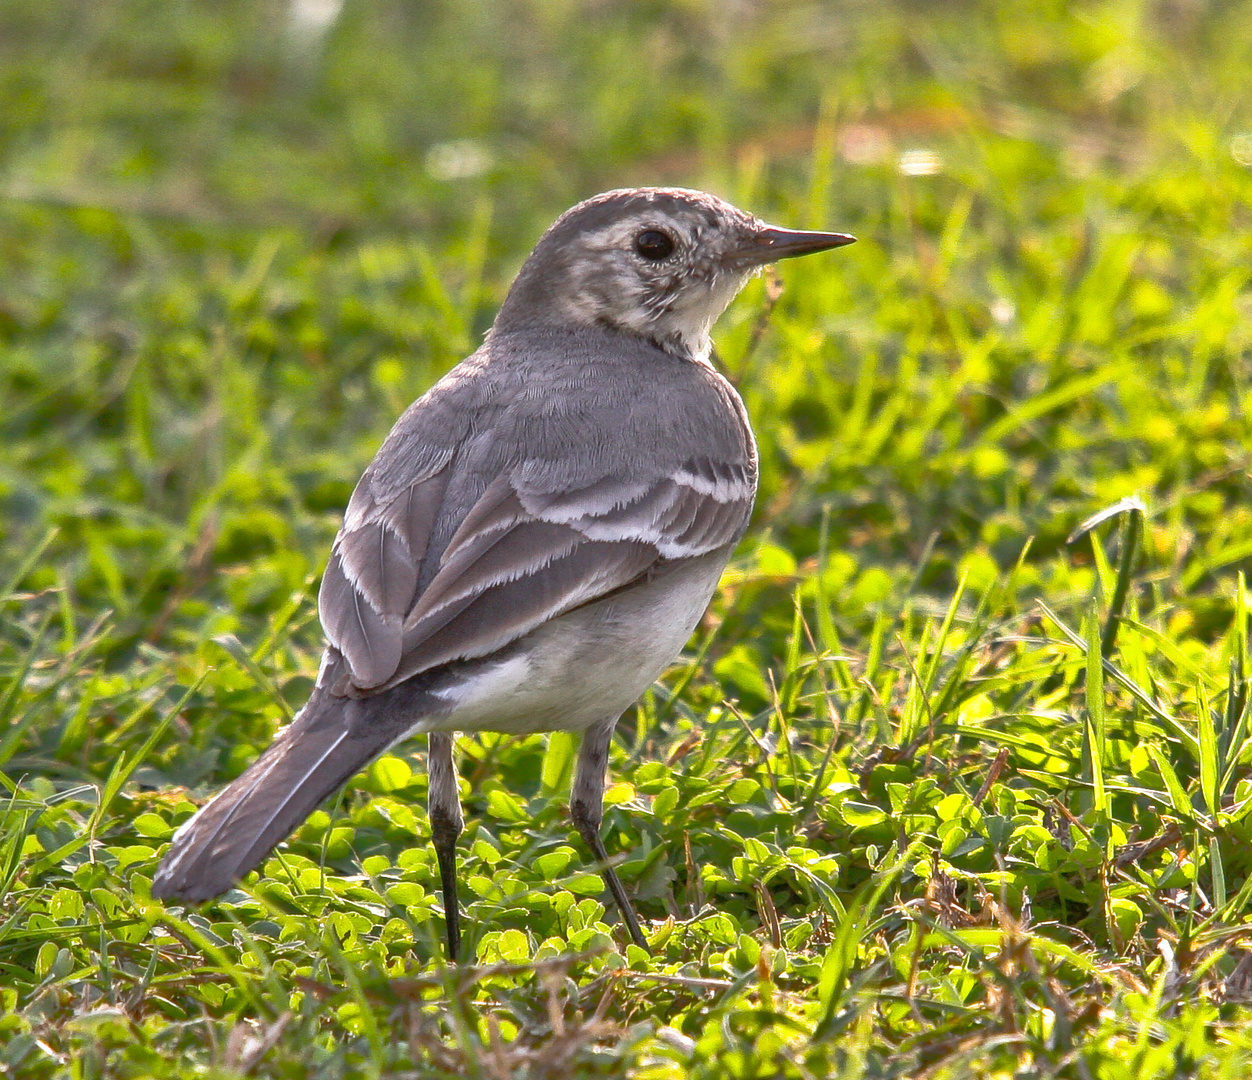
536	539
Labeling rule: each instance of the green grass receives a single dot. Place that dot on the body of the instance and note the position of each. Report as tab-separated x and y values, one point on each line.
949	784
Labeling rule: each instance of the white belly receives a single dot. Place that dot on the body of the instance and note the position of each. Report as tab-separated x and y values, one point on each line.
586	667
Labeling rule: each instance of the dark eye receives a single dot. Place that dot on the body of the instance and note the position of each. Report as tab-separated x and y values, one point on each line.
654	244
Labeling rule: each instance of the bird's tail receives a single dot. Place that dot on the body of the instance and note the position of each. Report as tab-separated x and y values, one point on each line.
311	757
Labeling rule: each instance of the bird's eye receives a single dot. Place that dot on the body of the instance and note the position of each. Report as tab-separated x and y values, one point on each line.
654	245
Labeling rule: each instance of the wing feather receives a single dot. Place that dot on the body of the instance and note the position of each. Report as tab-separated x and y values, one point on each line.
521	556
523	551
369	640
492	618
371	580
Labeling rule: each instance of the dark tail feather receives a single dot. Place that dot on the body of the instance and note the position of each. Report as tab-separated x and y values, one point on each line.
311	757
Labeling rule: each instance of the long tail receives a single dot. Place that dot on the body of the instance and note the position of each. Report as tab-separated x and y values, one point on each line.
311	757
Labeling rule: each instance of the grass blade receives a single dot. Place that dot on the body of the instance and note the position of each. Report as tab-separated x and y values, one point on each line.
1094	748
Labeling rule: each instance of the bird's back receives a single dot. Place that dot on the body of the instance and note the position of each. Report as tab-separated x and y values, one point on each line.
595	419
559	408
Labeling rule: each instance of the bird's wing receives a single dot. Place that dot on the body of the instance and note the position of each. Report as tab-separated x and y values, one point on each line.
520	557
370	583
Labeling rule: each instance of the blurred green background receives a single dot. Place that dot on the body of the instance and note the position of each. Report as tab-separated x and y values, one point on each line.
237	238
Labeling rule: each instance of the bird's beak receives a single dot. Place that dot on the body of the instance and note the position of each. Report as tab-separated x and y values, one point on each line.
770	244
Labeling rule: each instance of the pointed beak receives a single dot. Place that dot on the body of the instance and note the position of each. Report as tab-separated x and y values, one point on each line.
771	244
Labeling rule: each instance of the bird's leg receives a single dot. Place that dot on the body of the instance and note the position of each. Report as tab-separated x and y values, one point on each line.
586	806
444	807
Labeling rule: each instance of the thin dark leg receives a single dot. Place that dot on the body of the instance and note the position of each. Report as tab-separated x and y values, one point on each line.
586	807
446	822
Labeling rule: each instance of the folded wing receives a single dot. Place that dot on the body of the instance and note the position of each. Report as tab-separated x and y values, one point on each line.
521	557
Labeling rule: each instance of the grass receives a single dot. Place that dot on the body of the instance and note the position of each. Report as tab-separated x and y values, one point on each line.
956	778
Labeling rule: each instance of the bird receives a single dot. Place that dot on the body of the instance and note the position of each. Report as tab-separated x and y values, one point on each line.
537	537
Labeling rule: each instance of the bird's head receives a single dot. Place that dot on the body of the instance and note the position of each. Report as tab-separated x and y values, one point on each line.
662	263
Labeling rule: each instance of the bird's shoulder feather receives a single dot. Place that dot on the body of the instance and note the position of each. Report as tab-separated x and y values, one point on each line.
516	491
